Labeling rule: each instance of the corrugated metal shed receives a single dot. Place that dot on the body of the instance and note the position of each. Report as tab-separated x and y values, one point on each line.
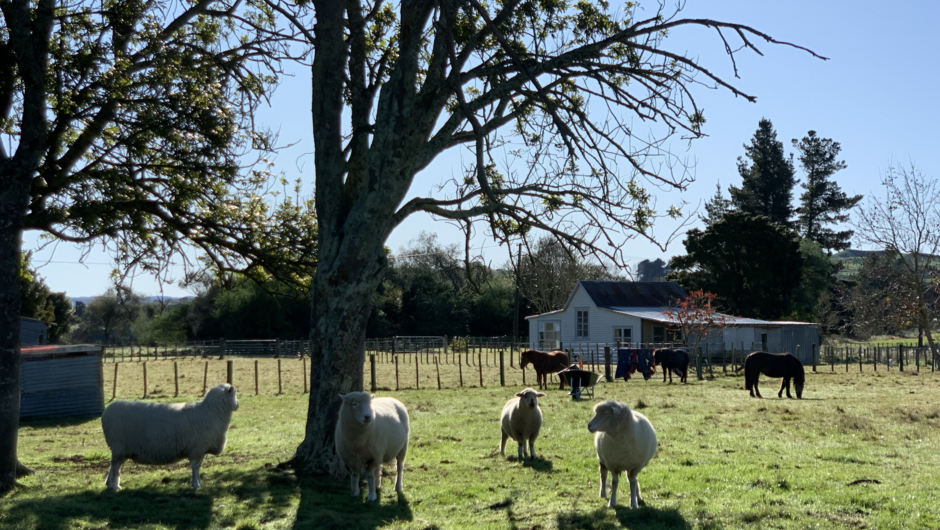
33	332
61	381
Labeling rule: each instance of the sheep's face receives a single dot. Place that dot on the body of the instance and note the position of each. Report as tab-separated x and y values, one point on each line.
224	393
529	398
359	406
232	396
606	416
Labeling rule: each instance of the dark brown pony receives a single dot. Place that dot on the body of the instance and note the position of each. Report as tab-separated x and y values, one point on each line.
672	359
545	362
774	365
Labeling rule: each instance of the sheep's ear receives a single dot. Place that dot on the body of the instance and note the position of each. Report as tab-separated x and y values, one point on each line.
231	389
520	394
372	396
342	396
539	394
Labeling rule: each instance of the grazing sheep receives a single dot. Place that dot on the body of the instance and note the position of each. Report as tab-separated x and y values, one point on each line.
521	421
625	441
161	433
371	431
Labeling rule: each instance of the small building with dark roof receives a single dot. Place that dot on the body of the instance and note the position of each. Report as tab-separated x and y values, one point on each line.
634	314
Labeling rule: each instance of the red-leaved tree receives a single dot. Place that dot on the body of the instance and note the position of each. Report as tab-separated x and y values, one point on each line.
695	317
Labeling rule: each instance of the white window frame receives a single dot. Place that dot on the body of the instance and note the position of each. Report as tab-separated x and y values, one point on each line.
546	343
587	323
619	342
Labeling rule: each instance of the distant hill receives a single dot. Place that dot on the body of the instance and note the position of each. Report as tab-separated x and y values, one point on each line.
86	299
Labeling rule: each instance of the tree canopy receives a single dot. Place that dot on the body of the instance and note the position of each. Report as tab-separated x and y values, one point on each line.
823	203
767	177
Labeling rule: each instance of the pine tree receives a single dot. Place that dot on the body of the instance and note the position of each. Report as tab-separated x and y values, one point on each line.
716	207
823	202
767	178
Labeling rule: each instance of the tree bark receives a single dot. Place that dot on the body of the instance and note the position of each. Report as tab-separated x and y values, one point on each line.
14	195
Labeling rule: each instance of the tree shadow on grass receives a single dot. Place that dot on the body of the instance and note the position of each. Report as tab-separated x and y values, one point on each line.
130	508
644	518
325	504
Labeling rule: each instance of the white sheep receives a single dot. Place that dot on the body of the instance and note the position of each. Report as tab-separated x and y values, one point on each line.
371	431
625	441
521	420
161	433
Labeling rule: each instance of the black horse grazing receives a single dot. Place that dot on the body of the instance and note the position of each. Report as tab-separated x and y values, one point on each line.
774	365
672	359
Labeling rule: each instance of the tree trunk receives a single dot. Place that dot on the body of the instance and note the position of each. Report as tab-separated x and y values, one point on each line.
341	303
13	199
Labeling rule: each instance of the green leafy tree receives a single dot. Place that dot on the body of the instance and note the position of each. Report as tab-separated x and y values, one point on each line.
544	96
128	121
651	271
823	203
767	178
812	302
753	266
38	301
109	317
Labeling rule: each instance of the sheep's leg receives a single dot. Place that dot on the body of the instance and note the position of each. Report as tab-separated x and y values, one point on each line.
195	463
399	480
378	477
603	481
502	444
634	490
522	450
370	481
354	482
614	482
114	475
532	448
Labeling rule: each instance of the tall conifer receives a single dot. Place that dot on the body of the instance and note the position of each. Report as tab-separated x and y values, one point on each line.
767	178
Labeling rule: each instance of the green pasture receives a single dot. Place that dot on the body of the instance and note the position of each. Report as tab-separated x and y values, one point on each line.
860	451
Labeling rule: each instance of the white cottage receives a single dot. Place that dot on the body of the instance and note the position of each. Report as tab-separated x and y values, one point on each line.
632	314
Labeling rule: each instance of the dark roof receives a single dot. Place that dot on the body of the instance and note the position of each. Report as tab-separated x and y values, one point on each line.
633	294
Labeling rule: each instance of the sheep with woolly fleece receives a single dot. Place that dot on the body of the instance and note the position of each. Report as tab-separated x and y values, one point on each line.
371	431
625	441
162	433
521	420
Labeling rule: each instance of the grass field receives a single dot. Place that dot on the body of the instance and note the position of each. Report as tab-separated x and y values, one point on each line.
860	451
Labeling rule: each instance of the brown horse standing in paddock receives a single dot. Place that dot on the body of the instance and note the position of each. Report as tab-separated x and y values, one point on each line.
774	365
672	359
545	362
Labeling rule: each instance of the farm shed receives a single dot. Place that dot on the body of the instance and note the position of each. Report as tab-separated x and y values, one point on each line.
634	314
61	381
33	332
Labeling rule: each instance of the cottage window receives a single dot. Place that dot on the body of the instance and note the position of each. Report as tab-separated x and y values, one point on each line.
549	335
623	337
581	327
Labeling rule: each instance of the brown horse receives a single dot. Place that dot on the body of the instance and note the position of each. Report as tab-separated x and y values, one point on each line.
545	362
773	365
672	359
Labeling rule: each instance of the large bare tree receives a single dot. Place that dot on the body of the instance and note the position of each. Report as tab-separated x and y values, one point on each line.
566	109
905	222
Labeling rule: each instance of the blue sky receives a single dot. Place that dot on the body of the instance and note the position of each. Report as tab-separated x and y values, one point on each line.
875	96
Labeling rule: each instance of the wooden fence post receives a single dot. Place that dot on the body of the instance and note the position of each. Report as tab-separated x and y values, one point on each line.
229	372
372	370
279	387
460	367
145	379
502	374
256	377
417	383
607	364
438	368
304	359
205	378
114	390
396	371
901	357
176	379
480	364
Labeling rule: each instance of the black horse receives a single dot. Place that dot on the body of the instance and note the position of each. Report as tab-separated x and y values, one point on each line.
672	359
774	365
